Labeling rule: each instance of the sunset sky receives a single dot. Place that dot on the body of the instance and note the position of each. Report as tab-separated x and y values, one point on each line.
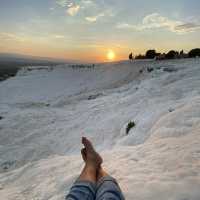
88	29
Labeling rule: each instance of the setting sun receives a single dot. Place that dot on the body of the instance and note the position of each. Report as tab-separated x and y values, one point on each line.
110	55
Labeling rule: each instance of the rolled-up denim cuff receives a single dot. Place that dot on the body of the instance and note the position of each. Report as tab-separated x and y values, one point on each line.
90	185
106	178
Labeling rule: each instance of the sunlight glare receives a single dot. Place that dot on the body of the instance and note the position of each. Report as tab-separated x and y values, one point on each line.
111	55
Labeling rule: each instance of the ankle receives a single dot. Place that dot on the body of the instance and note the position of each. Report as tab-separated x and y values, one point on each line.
88	174
101	173
92	164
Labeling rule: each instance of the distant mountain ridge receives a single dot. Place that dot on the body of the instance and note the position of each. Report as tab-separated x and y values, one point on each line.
10	63
8	57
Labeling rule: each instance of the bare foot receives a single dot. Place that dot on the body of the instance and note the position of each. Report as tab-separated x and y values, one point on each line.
101	173
83	153
90	156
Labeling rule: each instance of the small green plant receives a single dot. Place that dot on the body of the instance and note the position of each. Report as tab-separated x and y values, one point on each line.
129	126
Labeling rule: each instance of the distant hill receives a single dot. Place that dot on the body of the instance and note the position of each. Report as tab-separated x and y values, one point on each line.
14	58
11	62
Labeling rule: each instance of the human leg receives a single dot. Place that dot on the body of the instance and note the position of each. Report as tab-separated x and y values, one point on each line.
85	186
107	187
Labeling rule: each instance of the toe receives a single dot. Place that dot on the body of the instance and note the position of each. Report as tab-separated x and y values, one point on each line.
87	143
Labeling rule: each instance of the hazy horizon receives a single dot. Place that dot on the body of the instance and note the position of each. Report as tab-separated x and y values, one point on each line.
92	30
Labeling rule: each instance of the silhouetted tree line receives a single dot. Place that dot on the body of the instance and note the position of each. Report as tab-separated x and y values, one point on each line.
172	54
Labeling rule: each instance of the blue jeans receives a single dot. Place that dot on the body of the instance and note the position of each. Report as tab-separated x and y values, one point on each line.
106	189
